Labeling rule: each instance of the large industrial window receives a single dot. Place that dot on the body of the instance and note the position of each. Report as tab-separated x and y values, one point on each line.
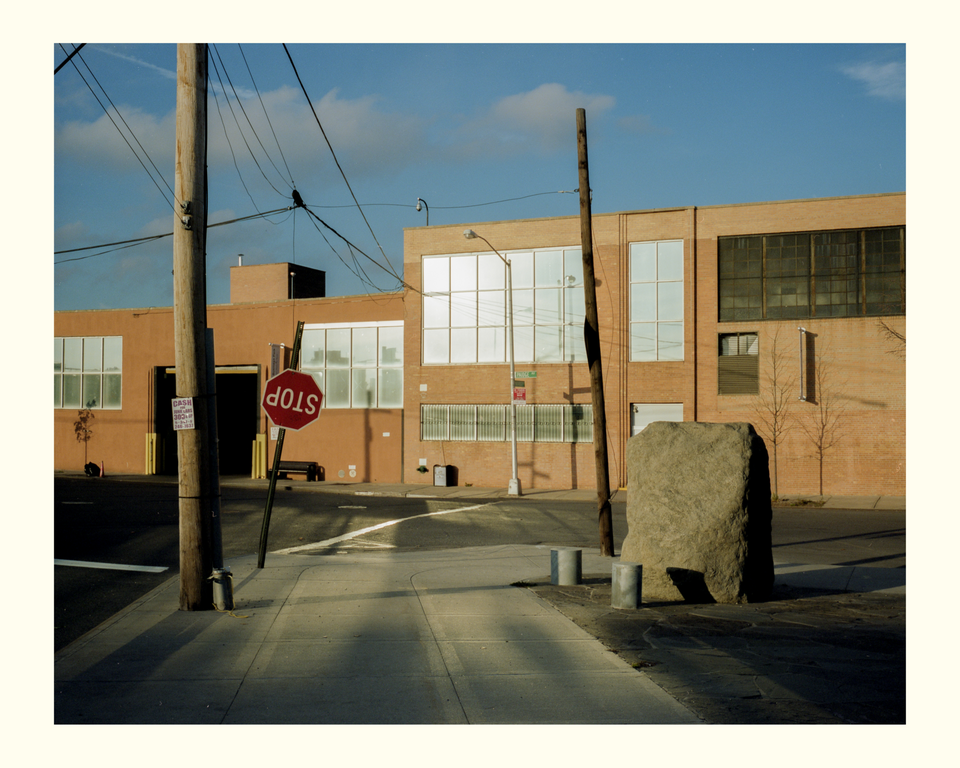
563	423
656	300
87	372
738	367
845	273
357	365
465	307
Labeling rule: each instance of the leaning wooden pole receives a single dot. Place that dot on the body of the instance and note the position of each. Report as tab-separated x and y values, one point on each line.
189	323
591	333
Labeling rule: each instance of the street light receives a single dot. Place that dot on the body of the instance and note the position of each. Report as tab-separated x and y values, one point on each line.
513	489
421	200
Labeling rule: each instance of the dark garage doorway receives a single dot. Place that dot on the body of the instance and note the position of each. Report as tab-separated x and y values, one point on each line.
238	417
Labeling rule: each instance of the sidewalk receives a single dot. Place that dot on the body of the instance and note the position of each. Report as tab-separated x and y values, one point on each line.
407	638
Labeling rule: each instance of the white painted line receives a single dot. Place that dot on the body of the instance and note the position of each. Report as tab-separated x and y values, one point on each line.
362	531
76	502
112	566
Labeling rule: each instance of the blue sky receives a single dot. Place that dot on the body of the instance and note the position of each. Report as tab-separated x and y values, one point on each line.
480	132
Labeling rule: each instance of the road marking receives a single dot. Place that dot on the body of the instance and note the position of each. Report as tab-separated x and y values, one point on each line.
362	531
112	566
76	502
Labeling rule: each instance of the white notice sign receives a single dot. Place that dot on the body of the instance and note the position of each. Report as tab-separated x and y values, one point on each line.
183	413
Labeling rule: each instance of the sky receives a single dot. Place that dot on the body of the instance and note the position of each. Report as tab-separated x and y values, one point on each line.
479	132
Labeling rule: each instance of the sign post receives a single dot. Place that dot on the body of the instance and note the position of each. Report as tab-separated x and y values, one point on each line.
292	401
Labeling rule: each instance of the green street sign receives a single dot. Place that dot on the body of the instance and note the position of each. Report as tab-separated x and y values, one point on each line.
525	375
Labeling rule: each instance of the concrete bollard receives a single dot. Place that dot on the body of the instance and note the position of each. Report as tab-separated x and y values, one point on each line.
627	580
566	566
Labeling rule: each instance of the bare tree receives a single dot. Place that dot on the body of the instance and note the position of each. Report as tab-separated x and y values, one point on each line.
776	393
898	339
82	429
823	423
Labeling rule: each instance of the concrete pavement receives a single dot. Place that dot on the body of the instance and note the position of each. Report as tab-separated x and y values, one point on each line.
382	637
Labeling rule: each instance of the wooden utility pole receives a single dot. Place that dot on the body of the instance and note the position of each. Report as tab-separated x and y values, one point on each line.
591	334
189	319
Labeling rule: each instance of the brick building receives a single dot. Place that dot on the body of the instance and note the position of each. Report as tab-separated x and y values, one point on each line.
722	313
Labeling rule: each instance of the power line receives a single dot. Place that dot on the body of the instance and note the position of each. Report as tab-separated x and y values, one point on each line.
337	162
140	240
107	113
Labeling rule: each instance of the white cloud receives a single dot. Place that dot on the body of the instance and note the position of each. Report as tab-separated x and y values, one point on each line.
887	81
542	120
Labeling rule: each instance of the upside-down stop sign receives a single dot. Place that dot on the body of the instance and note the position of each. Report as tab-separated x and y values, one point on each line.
292	399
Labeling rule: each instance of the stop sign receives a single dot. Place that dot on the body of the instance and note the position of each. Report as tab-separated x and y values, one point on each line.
292	399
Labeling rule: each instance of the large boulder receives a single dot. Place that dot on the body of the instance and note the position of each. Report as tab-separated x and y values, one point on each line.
698	512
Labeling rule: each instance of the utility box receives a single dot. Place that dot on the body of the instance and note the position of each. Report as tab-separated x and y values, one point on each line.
442	475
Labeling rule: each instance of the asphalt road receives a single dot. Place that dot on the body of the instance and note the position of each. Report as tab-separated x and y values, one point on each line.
135	523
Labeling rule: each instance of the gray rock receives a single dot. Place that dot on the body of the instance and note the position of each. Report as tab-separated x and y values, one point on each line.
698	512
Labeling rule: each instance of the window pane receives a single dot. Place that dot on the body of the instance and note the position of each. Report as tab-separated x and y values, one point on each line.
574	310
578	423
57	355
549	269
72	354
337	393
436	311
523	343
311	349
574	347
71	391
491	345
463	423
548	309
463	310
463	273
365	346
57	390
434	422
643	262
391	388
572	268
670	341
463	345
436	346
111	390
364	387
91	390
491	422
491	308
391	346
92	353
491	272
670	260
670	301
113	353
548	348
524	423
436	275
548	423
522	269
643	301
338	348
643	341
523	307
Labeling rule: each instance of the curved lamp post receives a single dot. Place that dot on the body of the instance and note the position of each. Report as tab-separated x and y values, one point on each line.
513	489
420	201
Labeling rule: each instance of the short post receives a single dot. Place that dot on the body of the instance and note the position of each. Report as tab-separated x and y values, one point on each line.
626	585
566	566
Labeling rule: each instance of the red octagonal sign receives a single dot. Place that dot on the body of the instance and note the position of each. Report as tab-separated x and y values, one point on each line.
292	399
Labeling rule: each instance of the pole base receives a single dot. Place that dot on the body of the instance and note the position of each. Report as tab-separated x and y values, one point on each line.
222	589
513	488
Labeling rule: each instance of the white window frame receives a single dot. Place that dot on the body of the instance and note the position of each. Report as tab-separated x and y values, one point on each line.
464	315
537	423
357	374
649	314
90	376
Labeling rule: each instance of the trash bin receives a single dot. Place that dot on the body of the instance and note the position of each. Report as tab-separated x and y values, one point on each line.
440	474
